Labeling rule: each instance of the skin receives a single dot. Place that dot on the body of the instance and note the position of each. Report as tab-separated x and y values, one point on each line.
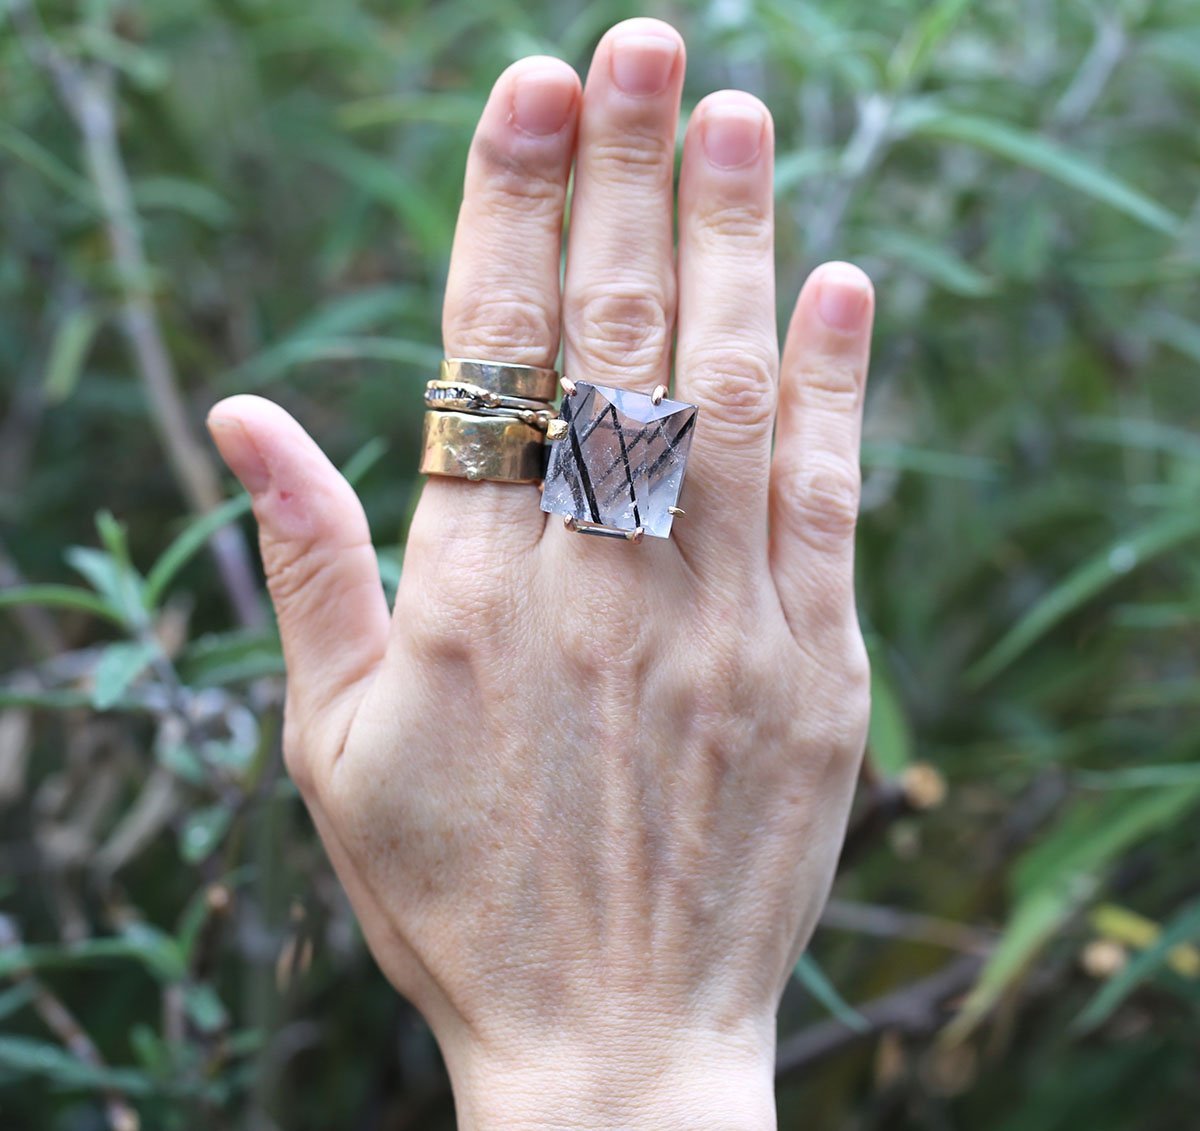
587	797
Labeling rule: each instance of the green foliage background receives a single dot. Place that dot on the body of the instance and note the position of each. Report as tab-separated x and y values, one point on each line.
1021	180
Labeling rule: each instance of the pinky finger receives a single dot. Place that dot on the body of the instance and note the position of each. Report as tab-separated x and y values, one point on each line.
815	475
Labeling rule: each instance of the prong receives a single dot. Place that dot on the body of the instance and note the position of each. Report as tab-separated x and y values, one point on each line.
557	429
659	392
570	522
636	535
676	511
568	386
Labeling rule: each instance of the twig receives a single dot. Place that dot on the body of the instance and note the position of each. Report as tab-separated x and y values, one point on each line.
915	1010
864	150
70	1034
893	923
1091	80
919	788
87	93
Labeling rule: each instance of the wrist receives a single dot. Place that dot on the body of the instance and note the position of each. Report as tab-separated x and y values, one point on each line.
672	1083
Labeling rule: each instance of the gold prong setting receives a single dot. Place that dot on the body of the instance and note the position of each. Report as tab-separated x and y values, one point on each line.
616	460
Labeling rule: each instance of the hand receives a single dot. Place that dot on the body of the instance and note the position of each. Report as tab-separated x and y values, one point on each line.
587	797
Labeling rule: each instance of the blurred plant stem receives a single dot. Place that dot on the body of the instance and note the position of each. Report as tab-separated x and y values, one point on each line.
87	93
67	1029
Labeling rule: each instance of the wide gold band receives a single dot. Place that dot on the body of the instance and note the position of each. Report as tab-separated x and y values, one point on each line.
528	381
468	446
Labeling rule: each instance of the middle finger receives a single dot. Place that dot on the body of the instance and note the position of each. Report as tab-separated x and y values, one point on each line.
619	294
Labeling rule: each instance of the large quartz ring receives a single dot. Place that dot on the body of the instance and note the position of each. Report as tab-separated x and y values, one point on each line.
617	460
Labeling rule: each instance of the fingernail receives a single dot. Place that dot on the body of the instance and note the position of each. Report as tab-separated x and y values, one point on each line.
843	297
642	64
542	102
239	452
732	136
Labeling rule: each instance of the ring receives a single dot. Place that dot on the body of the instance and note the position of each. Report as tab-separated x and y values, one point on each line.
487	420
461	396
527	381
470	446
617	460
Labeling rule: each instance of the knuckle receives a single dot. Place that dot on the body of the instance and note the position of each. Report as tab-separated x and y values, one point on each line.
514	183
748	224
606	650
622	330
295	755
822	498
736	386
832	383
294	569
638	151
516	328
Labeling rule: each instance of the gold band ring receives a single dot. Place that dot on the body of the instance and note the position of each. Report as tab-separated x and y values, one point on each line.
526	381
471	446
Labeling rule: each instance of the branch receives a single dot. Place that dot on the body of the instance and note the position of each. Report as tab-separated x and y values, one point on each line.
71	1035
87	93
919	788
893	923
915	1010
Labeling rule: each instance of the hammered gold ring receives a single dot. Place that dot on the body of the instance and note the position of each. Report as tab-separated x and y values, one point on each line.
487	420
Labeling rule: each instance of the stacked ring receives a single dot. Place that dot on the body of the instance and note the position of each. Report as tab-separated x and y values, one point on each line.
488	420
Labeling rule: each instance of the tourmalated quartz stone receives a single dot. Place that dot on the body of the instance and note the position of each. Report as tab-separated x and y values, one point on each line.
621	461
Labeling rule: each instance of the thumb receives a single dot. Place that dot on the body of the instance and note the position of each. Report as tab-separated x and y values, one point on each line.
321	570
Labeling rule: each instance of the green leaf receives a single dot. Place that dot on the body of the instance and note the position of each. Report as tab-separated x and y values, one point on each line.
934	261
230	657
204	1008
25	149
175	194
139	942
187	544
813	979
794	169
39	1058
1057	877
926	461
120	585
308	351
364	459
427	217
1045	155
202	832
15	999
1086	582
1183	928
60	597
68	351
442	108
890	738
1141	777
118	667
910	60
333	321
145	69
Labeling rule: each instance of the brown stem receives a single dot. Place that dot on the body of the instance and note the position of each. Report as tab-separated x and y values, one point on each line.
87	94
70	1034
915	1010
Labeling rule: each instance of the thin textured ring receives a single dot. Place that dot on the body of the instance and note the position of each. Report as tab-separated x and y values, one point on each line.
531	382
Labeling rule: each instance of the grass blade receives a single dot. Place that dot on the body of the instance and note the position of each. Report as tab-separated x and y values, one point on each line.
1044	155
1090	579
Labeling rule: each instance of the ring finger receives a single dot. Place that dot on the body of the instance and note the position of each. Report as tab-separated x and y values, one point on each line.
502	292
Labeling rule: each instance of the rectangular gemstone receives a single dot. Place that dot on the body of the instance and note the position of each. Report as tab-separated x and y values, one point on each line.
621	461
